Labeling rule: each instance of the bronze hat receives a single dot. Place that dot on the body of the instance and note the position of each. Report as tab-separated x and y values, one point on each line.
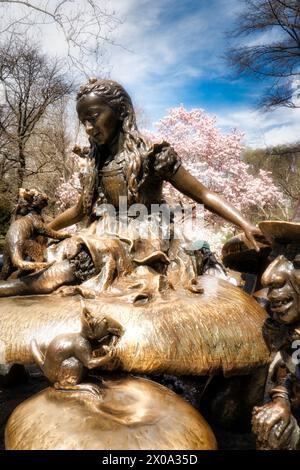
281	230
238	256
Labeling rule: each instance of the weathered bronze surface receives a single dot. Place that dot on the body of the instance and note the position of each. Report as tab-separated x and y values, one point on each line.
238	256
130	413
181	333
274	424
21	239
107	256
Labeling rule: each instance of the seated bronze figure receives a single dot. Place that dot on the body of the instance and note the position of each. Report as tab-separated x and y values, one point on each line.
121	163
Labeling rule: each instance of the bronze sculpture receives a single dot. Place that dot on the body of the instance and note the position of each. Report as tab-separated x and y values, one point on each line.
238	256
117	147
122	163
21	237
68	356
179	333
129	413
274	423
172	319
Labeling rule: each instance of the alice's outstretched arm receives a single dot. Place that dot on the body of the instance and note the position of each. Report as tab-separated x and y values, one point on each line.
191	187
69	217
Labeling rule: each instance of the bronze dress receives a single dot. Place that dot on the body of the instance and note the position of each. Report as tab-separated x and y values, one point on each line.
148	229
127	240
160	165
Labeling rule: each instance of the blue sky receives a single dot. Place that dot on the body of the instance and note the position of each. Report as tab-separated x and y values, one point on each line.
175	55
171	53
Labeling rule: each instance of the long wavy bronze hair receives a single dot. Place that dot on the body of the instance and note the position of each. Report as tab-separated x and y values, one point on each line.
135	146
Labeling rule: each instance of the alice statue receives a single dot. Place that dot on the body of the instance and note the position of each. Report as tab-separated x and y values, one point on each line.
121	164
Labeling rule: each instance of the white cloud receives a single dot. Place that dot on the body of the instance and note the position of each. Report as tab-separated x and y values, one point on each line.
283	134
267	37
162	54
155	47
263	129
164	46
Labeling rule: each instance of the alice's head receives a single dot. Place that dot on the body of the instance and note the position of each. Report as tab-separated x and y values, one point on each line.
105	109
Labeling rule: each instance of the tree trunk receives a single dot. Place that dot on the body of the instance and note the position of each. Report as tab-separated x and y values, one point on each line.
296	215
21	165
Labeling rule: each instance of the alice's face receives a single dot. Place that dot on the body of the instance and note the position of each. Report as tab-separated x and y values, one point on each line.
282	278
100	121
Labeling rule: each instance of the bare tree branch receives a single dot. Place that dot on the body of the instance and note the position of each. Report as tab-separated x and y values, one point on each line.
276	61
31	83
86	26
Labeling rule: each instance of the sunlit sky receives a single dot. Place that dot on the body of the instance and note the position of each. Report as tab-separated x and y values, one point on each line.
177	58
171	52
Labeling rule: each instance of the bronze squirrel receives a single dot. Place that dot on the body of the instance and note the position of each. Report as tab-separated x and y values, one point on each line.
69	355
22	238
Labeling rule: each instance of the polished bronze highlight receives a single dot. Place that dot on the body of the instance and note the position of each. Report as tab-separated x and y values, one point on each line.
130	414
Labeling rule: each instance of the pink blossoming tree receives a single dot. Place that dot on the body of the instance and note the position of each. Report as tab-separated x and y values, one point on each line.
216	160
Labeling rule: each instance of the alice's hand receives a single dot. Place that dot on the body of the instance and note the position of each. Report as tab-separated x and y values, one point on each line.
251	233
65	234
